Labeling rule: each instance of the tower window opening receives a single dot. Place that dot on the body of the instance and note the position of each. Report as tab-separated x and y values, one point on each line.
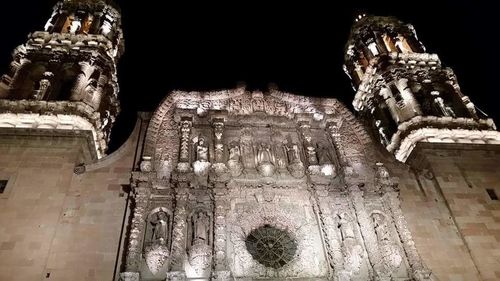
492	194
3	185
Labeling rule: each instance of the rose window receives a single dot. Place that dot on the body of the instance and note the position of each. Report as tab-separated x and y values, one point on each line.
270	246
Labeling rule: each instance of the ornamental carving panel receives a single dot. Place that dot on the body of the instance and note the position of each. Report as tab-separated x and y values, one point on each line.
250	185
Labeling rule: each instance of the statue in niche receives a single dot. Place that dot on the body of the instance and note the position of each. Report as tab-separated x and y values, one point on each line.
105	123
200	250
234	152
311	154
293	154
201	165
327	168
201	224
295	167
234	162
280	156
382	131
390	256
264	159
346	227
160	223
323	155
247	153
264	154
202	150
43	86
156	251
91	87
441	107
382	177
352	251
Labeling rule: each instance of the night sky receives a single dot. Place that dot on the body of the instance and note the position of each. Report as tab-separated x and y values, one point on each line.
299	47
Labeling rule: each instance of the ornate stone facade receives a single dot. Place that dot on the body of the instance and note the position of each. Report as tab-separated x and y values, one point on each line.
238	184
266	185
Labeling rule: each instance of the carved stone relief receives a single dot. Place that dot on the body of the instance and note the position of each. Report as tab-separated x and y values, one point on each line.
267	196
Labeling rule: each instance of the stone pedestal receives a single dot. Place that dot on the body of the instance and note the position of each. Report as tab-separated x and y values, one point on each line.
221	275
176	276
129	276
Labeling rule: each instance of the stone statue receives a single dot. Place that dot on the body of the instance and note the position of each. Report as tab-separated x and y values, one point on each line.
382	177
160	222
441	106
311	154
295	167
293	153
352	251
44	86
234	162
234	152
384	138
264	159
264	154
200	250
280	156
201	224
107	118
202	150
323	155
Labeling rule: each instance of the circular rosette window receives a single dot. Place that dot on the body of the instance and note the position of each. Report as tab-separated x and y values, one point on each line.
270	246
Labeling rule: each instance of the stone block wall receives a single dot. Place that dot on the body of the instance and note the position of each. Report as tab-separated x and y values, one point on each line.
454	222
55	224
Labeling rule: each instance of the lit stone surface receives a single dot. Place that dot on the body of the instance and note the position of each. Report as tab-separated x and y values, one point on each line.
243	185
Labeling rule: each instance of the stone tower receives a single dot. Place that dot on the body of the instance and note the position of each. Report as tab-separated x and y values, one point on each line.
63	79
406	95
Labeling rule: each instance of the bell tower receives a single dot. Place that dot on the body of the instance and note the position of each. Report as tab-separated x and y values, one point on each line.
64	77
405	93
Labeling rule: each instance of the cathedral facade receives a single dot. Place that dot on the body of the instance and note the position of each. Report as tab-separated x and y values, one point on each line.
243	185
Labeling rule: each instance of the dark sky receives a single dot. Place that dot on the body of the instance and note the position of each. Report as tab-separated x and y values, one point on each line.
297	46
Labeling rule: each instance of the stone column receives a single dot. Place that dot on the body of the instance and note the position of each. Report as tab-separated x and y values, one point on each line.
221	208
185	132
418	270
80	81
366	226
179	232
406	93
322	206
99	92
134	247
